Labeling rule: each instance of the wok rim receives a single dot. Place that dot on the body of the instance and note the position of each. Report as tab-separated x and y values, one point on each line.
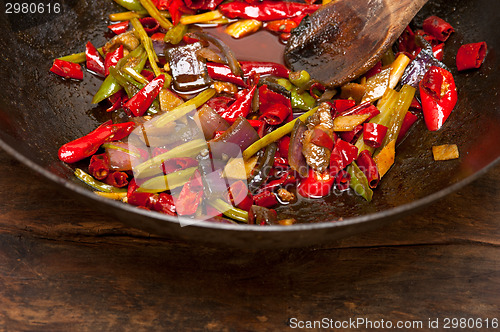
381	215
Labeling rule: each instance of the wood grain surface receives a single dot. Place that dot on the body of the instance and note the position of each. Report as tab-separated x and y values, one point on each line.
65	267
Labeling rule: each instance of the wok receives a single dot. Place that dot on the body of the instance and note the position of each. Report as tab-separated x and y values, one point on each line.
39	112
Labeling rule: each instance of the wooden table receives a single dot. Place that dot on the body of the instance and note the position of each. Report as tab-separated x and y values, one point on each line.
65	267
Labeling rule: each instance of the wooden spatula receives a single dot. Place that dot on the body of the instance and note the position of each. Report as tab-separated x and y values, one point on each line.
345	38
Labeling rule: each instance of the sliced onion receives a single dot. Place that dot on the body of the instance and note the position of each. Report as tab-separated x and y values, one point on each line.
296	159
235	139
210	121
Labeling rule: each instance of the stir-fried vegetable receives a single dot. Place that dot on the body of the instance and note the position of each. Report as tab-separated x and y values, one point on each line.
199	133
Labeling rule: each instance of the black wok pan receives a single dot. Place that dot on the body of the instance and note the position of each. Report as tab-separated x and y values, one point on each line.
39	112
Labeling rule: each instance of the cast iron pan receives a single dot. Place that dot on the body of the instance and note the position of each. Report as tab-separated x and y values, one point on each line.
39	112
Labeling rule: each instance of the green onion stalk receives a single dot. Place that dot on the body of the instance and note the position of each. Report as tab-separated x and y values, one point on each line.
229	211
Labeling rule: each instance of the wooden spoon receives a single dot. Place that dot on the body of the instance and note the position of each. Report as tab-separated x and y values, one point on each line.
345	38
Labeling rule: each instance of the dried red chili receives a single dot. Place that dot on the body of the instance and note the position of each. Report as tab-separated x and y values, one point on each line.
368	166
374	134
316	185
343	154
67	69
471	56
112	59
266	10
87	145
140	102
439	96
437	27
94	60
241	107
119	28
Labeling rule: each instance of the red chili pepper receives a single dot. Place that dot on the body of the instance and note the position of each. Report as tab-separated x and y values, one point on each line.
150	25
112	59
191	196
430	38
350	136
437	50
415	104
274	107
342	180
141	101
264	68
176	164
471	56
316	185
343	154
439	96
259	126
342	105
266	10
377	68
202	4
240	195
99	166
175	10
374	134
284	25
87	145
94	62
162	202
320	138
220	103
241	107
67	69
365	108
285	179
408	121
117	179
119	28
117	100
368	166
148	74
406	42
283	146
266	199
220	72
165	204
437	27
279	162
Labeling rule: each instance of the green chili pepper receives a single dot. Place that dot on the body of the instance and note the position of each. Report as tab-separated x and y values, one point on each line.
110	86
229	211
299	78
359	182
130	88
174	36
302	101
285	83
88	179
